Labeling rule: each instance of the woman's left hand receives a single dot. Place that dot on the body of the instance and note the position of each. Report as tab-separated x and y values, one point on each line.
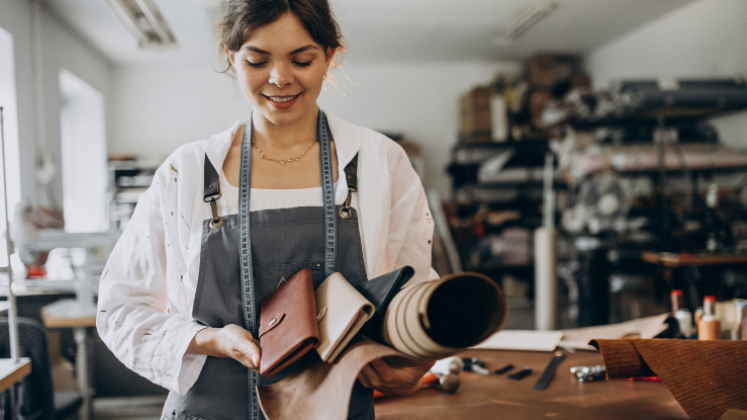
393	381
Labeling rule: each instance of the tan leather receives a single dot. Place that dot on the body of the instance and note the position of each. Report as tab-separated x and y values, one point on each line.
341	312
707	378
428	320
318	390
435	319
288	327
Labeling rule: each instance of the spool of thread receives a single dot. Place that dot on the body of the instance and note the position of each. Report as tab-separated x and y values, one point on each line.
678	300
709	327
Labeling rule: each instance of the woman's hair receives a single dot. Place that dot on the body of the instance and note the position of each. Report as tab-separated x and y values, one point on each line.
242	17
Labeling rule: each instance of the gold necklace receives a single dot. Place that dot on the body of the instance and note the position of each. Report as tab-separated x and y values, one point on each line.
282	162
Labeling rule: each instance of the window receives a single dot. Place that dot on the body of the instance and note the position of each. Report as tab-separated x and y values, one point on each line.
84	170
10	120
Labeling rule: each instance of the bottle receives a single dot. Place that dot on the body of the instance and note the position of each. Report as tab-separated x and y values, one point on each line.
678	300
682	314
709	327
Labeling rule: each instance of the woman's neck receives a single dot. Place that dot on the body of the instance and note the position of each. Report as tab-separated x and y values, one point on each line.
269	135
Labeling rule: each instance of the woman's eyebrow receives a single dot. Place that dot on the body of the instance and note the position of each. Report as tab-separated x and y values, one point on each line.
296	51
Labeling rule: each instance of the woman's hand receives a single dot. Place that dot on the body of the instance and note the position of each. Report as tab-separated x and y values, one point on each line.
393	381
231	342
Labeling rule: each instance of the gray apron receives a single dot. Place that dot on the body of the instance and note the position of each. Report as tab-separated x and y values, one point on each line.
285	242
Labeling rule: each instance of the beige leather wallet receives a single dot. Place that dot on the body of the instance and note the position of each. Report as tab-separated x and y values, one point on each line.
341	312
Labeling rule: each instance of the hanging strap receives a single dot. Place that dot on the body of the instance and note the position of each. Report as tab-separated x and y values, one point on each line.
212	192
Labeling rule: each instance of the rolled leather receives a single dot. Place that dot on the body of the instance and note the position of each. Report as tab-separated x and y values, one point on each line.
341	312
288	327
436	319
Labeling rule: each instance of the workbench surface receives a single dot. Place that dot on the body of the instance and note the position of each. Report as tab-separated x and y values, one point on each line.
497	397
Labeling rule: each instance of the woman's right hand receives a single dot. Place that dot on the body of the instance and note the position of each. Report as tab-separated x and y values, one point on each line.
231	341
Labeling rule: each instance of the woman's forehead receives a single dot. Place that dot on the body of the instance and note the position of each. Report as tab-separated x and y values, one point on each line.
284	36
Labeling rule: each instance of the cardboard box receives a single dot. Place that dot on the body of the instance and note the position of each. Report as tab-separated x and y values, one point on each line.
541	70
475	115
544	70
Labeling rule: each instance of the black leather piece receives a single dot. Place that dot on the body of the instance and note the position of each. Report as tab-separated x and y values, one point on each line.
212	180
380	291
351	173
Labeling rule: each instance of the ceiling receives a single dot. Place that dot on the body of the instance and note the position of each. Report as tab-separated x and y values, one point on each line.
386	30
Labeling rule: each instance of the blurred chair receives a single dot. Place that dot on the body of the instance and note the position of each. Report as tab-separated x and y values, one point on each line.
34	397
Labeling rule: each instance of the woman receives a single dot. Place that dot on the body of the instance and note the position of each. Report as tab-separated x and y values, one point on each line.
170	304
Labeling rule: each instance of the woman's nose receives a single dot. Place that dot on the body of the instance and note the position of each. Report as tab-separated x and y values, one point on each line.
281	76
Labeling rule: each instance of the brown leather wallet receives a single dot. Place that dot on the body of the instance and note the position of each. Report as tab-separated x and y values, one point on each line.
288	327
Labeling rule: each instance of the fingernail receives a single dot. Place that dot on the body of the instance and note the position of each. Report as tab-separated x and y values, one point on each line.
255	360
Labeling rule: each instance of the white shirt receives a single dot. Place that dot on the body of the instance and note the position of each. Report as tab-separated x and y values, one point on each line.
148	286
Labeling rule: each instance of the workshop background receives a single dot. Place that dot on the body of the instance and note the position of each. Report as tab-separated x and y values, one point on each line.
590	156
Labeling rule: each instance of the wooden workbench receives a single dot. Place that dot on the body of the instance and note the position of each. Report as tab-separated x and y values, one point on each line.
12	372
497	397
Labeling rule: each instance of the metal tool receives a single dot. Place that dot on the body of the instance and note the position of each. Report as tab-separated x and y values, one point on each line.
504	369
549	373
589	373
520	374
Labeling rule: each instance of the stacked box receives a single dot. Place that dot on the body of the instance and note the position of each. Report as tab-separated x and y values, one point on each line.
475	116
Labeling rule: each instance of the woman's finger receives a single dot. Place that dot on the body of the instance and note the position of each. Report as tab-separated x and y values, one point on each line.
251	350
374	380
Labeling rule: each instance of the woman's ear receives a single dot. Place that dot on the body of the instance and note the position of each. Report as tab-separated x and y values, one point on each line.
329	58
230	55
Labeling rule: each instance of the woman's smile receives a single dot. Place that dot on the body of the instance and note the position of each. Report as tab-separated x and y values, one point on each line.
282	102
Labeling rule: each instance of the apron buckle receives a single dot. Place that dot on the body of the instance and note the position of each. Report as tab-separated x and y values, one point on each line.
217	221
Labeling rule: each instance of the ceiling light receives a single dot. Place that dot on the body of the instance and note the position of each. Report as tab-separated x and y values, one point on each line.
144	21
523	21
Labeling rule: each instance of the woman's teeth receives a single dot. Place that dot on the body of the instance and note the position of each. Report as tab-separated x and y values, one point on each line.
279	99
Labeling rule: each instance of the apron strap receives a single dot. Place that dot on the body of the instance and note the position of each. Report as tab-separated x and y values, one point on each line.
212	192
351	176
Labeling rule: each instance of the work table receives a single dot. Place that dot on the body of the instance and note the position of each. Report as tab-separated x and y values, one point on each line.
496	397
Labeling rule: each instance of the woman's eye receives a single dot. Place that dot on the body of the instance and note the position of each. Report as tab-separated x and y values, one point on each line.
303	63
256	64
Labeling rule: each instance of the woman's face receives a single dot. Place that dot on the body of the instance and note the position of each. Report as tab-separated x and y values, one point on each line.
281	69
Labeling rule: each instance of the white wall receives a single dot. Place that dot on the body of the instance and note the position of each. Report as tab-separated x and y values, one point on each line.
61	49
703	39
158	108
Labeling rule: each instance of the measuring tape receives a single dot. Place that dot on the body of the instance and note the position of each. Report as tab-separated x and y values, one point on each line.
245	244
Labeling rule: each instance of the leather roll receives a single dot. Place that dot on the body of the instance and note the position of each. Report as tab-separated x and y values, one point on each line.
439	318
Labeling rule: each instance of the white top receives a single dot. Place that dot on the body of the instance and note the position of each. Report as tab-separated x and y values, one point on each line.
269	199
148	286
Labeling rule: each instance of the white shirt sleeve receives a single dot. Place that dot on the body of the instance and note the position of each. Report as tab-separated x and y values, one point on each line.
135	318
411	224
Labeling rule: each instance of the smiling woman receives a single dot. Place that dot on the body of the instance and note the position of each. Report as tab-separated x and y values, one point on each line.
194	330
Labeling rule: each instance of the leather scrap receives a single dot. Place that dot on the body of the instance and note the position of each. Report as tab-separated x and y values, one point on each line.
734	415
707	378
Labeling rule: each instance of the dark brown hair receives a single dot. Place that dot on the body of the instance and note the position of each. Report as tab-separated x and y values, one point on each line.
242	17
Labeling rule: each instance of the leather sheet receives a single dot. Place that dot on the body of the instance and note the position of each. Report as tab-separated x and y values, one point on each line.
707	378
318	390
